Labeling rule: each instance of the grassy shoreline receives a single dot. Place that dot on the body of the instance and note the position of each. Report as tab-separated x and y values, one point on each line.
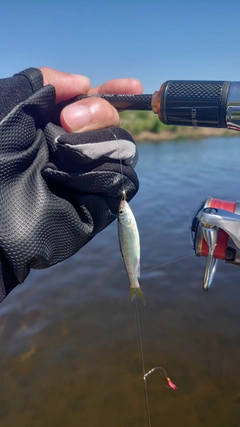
145	126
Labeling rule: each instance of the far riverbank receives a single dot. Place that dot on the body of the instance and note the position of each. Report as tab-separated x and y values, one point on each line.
183	133
145	126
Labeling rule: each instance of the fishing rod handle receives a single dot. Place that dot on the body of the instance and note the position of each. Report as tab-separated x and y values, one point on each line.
198	103
122	101
183	103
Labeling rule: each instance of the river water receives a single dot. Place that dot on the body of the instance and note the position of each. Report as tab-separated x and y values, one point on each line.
69	352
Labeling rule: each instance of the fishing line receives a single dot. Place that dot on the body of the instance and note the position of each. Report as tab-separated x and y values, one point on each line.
124	196
139	335
120	162
170	384
138	326
167	263
140	344
142	271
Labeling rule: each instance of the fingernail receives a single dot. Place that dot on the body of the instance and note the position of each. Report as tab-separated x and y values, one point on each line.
76	117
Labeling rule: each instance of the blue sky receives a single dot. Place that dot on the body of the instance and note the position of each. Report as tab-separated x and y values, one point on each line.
152	40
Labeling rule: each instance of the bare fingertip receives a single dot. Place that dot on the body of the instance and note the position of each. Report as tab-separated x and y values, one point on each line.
82	82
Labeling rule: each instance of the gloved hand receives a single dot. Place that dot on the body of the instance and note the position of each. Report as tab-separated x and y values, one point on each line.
58	190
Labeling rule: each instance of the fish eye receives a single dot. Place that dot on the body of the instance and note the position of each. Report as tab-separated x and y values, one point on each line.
121	211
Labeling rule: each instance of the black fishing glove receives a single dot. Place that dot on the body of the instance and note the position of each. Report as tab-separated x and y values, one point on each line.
58	190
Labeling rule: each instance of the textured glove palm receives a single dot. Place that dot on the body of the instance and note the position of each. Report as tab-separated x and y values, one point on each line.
58	190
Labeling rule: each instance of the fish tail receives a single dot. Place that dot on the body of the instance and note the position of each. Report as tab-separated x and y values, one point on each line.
137	292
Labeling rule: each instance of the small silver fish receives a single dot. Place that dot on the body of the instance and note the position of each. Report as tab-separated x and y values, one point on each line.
130	247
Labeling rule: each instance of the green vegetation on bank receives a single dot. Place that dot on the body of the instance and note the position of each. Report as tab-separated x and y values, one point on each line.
136	122
145	125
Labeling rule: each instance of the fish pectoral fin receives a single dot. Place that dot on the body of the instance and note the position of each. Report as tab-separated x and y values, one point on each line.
137	292
138	271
